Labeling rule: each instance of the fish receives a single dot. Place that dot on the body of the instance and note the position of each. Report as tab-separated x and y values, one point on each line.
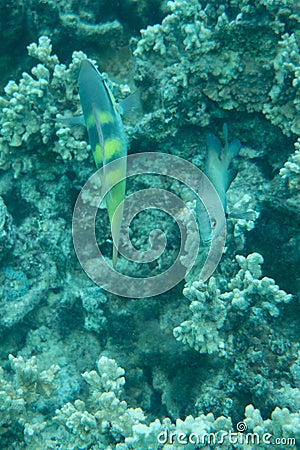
107	138
218	169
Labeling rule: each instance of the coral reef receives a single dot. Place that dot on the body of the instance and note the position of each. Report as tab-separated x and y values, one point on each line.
291	173
250	297
29	107
202	61
222	353
283	108
23	396
103	420
7	233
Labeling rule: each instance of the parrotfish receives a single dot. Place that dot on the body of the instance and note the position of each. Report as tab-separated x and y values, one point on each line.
218	169
108	141
106	133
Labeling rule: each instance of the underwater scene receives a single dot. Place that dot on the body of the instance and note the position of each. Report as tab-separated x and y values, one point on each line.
149	224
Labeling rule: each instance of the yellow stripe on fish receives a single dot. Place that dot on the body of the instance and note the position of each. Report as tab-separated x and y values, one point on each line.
112	147
103	116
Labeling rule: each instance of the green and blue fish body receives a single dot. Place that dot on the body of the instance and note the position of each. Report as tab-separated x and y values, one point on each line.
219	171
107	139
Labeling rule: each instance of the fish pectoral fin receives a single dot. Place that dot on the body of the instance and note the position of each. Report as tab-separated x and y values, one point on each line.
231	151
131	107
71	121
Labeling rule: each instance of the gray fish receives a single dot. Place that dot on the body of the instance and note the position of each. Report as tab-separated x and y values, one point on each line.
217	168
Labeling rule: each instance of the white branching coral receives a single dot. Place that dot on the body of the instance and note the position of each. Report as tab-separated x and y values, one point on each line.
282	424
291	173
19	394
249	290
249	294
31	381
110	377
243	216
29	107
208	315
283	108
103	417
104	421
42	51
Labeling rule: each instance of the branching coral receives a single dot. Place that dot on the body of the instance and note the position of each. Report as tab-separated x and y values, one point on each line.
28	109
208	315
248	295
203	60
283	108
283	426
19	397
291	173
103	421
104	417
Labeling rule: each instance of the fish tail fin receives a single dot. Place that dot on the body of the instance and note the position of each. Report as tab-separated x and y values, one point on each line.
234	148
